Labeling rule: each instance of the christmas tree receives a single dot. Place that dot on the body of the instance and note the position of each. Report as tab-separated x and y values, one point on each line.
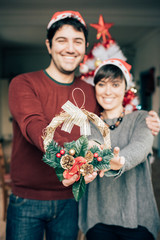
105	49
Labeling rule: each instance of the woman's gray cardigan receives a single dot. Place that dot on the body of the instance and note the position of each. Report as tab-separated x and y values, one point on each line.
126	200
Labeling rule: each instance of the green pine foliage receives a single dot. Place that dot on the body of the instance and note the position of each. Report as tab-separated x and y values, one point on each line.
106	155
70	145
50	155
95	149
81	147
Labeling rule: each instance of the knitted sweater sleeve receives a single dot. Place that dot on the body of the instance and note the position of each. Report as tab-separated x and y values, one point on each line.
138	140
140	143
26	110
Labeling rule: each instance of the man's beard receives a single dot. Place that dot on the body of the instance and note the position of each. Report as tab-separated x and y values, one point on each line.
66	72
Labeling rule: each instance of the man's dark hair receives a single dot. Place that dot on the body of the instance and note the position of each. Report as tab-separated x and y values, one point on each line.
66	21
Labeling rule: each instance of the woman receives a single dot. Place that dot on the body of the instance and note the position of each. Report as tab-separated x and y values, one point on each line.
121	207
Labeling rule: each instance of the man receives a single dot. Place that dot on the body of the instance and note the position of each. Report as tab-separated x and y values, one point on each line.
40	203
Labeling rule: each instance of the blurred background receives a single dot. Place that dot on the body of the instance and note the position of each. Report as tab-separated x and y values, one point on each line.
136	30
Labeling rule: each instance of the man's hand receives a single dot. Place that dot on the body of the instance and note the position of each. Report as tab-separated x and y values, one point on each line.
116	163
153	122
68	182
88	178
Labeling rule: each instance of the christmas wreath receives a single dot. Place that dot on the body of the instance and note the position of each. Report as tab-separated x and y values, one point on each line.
76	157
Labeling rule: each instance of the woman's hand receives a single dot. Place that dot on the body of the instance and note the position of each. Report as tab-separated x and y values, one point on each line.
116	163
153	122
90	177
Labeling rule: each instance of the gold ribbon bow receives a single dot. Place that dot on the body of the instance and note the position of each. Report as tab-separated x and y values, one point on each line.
71	116
76	117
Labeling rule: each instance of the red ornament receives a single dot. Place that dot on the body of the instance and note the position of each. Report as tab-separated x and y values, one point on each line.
99	159
58	155
95	155
62	151
102	29
128	97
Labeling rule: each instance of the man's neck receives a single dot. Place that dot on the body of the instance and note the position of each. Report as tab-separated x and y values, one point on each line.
59	76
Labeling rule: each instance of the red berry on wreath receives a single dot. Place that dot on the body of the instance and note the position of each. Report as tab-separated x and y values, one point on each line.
99	159
95	155
58	155
62	151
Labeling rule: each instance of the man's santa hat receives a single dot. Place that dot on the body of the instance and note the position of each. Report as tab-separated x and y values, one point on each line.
66	14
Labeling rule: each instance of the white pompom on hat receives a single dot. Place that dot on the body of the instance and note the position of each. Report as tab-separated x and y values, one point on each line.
124	66
64	14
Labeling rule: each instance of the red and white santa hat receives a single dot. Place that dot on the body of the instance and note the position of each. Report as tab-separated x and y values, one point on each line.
64	14
124	66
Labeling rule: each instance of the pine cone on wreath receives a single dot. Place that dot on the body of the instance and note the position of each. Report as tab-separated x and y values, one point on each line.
89	157
67	161
86	169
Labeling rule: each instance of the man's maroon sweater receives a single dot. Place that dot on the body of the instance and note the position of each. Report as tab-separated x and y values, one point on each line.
34	99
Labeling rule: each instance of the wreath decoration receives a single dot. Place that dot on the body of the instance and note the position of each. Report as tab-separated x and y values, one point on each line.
76	157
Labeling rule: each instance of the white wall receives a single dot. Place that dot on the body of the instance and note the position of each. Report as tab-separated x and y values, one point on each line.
147	56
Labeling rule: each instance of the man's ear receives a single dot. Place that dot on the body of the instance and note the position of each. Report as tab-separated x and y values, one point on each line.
87	45
48	46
